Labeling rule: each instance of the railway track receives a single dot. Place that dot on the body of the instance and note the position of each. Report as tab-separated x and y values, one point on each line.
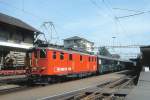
26	87
103	91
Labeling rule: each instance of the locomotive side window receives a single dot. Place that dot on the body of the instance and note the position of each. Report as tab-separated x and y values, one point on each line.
80	58
70	56
61	56
89	59
35	54
43	53
54	55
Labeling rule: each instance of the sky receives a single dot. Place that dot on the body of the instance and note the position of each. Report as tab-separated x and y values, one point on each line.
90	19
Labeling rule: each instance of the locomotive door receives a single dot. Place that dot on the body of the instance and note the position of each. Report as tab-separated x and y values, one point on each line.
63	62
70	63
35	60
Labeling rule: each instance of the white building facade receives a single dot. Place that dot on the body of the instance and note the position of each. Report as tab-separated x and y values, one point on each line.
78	43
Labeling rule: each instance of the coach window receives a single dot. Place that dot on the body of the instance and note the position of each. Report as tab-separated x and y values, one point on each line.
61	56
54	55
43	53
70	56
80	58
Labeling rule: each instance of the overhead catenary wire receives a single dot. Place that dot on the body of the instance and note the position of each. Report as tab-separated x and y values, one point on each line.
99	8
109	16
131	15
126	9
30	14
50	29
137	12
116	19
113	15
22	10
94	3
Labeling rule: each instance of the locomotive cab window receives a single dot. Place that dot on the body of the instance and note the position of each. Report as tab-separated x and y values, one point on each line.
43	53
61	56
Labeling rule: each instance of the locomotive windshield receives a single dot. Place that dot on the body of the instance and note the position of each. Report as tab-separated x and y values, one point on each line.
43	53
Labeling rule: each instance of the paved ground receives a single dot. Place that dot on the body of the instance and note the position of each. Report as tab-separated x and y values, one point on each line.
142	90
56	89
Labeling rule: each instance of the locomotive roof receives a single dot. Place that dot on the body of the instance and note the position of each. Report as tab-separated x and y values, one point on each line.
64	50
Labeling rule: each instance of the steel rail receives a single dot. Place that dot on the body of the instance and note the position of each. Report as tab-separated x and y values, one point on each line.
99	93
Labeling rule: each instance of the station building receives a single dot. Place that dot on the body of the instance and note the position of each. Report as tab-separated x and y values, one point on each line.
78	43
16	37
145	56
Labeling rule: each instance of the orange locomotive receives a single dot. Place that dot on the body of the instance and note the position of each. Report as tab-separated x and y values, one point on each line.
46	62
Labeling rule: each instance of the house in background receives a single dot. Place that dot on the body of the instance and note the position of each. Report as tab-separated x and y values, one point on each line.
15	38
78	43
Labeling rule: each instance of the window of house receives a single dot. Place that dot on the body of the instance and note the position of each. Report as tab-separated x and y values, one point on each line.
43	53
70	56
54	55
61	56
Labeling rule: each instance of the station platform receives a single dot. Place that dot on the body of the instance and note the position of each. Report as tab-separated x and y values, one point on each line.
142	90
6	86
5	79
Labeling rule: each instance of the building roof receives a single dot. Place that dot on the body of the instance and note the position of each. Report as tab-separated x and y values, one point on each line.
77	38
16	22
145	49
